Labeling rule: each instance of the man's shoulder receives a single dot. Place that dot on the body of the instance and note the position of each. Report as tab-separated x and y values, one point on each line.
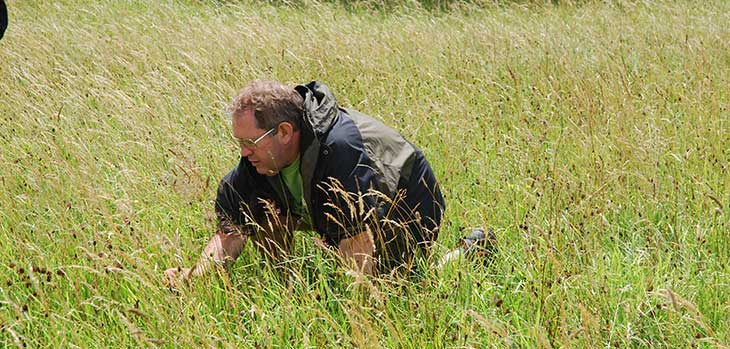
233	174
355	125
240	177
370	128
343	130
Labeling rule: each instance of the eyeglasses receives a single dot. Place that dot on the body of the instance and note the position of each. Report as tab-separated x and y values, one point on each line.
251	144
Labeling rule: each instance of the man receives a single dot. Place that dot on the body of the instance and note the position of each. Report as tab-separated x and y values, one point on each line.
307	164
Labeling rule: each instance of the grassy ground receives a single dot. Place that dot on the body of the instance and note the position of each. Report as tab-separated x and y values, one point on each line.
595	139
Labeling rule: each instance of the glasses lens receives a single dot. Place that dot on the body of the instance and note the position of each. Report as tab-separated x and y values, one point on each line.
247	143
251	144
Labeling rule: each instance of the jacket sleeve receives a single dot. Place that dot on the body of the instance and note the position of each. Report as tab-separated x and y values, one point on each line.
238	200
349	186
227	206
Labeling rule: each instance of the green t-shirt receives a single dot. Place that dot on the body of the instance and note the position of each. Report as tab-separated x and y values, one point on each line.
292	177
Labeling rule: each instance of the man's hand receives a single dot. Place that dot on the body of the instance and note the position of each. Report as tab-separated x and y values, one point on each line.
176	276
222	249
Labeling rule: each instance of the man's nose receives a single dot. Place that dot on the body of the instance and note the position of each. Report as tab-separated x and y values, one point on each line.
245	152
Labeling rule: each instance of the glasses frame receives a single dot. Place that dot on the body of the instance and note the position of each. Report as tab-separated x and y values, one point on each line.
253	144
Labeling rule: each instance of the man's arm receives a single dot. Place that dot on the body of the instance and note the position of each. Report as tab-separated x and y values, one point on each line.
358	252
222	249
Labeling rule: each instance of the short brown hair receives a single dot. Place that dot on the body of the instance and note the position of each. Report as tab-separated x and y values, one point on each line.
272	103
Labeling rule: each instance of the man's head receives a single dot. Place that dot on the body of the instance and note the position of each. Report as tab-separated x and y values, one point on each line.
266	118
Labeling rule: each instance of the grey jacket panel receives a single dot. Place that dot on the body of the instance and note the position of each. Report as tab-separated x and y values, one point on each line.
391	155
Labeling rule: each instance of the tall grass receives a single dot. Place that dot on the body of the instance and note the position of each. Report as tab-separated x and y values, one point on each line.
595	139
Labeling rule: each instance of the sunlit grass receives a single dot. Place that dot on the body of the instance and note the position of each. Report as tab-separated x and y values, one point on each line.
594	139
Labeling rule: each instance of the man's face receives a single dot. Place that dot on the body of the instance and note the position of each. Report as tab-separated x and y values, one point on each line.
265	155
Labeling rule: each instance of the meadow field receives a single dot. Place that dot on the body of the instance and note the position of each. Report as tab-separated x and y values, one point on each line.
594	138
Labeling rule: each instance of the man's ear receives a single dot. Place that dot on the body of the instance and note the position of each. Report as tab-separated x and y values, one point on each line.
286	132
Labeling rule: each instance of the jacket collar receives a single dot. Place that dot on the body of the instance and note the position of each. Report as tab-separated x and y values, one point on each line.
320	113
320	108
